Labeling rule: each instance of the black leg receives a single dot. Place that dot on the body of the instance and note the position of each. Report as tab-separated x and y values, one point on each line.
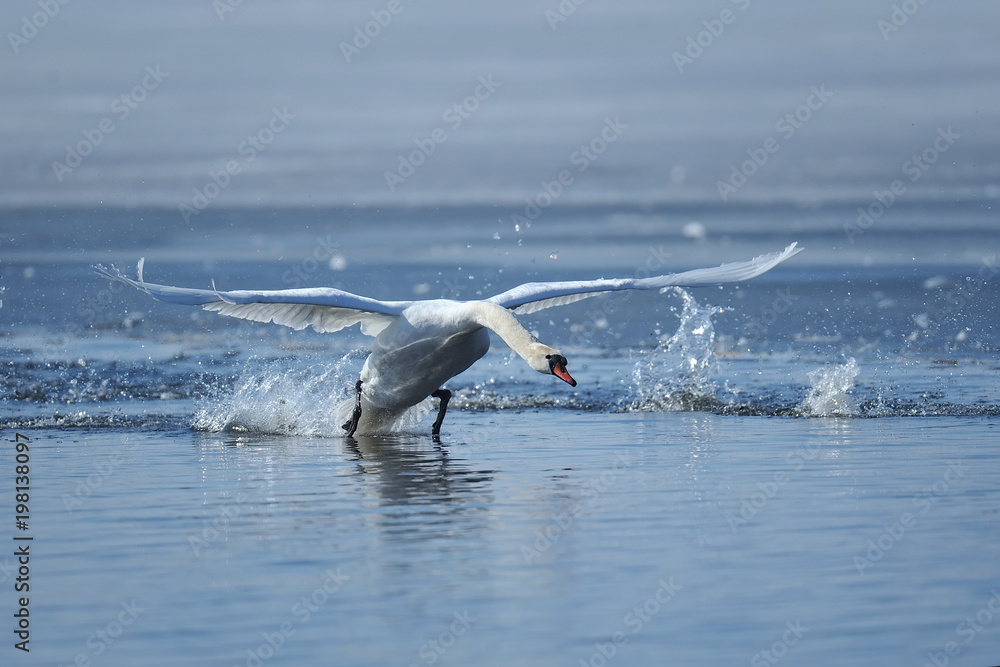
352	425
444	395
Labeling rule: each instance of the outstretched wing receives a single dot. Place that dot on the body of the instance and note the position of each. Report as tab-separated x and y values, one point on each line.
532	297
325	309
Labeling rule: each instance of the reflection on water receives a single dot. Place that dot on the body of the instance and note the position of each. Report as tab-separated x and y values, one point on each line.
409	486
409	470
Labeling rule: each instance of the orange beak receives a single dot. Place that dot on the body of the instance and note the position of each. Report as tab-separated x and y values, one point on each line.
559	370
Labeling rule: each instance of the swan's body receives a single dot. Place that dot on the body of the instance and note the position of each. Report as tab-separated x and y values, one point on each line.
420	345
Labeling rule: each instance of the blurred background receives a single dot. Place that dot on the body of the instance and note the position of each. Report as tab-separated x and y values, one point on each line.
695	85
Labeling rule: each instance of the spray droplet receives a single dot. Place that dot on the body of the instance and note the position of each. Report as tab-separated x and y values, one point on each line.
694	230
338	262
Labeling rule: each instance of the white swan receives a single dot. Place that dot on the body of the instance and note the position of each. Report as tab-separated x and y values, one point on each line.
420	345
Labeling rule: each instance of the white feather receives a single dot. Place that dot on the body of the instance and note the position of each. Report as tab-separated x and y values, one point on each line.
532	297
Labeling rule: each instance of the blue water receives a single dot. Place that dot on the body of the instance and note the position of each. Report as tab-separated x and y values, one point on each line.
796	470
802	464
218	538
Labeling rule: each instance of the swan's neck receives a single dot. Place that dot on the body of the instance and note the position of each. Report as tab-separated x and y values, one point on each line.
503	323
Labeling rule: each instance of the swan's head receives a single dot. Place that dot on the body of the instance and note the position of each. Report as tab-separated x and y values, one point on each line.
546	360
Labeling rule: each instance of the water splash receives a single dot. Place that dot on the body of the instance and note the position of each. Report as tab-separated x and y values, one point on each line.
270	397
676	375
829	394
